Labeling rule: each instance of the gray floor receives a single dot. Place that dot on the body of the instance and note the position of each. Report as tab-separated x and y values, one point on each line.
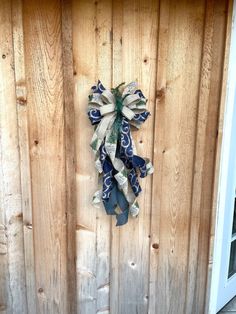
230	307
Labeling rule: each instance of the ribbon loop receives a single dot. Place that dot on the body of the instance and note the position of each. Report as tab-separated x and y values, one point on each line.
131	100
129	114
112	113
108	97
107	109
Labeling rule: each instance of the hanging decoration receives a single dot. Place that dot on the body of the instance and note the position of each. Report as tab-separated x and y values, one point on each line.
113	112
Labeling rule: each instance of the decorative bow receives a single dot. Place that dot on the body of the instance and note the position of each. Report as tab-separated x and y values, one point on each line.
112	113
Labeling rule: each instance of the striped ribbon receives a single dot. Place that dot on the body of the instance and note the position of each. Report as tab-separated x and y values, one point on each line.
113	112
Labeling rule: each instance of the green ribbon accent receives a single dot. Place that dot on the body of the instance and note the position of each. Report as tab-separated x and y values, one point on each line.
114	105
119	105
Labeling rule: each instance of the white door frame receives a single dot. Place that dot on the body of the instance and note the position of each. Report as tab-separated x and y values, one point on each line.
224	163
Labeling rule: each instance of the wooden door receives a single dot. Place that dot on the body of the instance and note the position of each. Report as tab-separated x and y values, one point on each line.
59	254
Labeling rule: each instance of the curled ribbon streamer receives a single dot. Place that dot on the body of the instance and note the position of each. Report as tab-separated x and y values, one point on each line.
112	113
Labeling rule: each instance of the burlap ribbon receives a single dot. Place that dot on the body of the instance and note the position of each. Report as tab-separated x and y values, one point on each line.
112	113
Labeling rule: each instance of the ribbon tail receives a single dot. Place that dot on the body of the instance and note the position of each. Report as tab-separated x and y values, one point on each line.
110	204
116	158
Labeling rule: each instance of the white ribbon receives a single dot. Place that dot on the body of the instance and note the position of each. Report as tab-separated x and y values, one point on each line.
106	103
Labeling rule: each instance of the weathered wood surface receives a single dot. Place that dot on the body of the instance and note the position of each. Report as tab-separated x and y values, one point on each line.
59	254
92	59
69	121
44	79
12	278
22	112
137	45
222	100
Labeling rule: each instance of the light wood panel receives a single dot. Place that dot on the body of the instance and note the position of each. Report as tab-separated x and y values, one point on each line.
69	120
103	35
44	78
58	253
22	112
135	33
158	150
201	137
179	60
218	150
218	45
12	263
92	61
117	40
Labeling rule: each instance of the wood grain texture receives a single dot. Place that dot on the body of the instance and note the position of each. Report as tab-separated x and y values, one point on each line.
199	155
84	66
218	150
158	151
68	88
103	72
92	61
22	112
58	253
12	263
117	40
136	42
43	61
179	60
219	35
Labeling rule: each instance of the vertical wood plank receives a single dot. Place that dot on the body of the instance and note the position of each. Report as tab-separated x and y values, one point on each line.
92	61
218	152
204	93
137	46
158	151
219	33
158	262
12	291
179	56
117	39
22	111
43	60
103	72
84	70
68	88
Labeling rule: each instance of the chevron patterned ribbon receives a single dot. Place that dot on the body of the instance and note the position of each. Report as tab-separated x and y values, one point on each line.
113	112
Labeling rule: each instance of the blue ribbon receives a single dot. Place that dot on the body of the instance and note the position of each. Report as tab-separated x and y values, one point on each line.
112	195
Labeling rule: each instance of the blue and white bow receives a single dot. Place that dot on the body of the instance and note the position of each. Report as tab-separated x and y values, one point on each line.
112	112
